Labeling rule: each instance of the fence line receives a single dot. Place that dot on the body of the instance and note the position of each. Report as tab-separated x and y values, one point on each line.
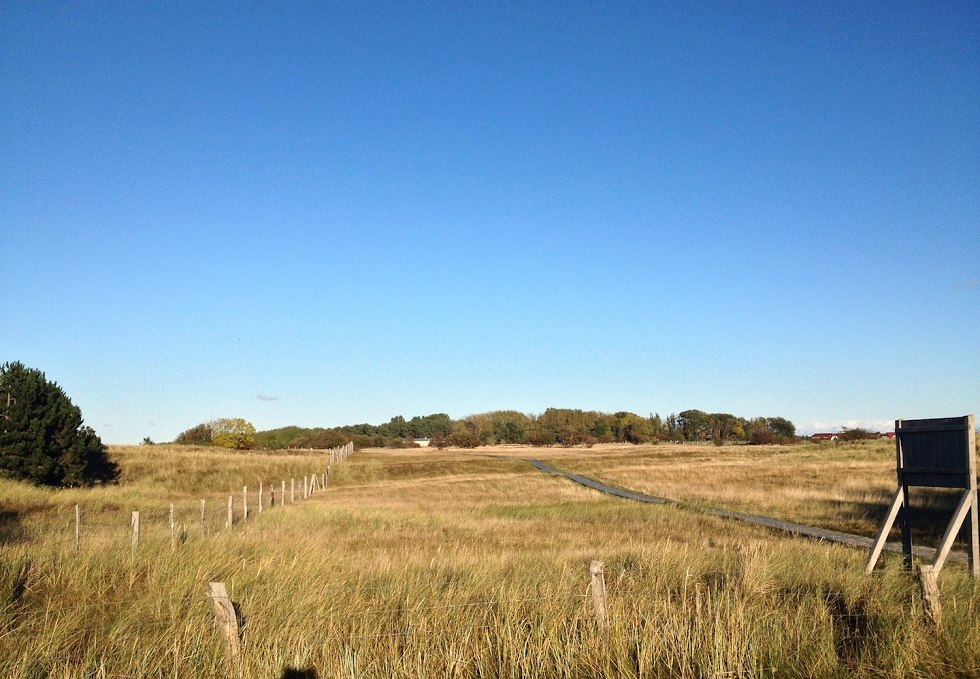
227	616
177	520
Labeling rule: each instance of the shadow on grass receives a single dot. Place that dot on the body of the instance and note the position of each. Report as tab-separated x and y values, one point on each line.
296	673
930	512
853	627
13	580
12	529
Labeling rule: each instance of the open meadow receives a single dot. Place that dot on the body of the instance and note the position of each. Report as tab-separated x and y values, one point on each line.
428	563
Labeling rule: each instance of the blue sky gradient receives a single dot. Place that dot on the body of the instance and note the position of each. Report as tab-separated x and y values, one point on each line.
329	213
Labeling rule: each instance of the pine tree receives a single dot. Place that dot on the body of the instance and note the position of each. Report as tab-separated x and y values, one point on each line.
42	438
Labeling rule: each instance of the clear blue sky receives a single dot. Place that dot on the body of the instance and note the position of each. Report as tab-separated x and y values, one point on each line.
330	213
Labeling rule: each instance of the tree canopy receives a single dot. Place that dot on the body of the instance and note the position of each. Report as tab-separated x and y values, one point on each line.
225	432
198	435
233	432
555	426
42	436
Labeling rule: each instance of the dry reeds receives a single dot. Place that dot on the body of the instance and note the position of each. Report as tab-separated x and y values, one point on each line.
452	564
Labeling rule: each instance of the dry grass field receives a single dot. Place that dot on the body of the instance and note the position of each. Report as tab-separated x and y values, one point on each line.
424	563
843	486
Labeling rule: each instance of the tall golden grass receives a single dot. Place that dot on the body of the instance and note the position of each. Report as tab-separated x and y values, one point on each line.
423	563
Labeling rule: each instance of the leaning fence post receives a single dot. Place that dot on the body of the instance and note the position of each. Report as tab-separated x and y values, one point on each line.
596	570
227	620
931	606
78	528
135	522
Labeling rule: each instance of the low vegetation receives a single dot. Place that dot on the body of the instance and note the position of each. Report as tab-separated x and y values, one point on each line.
425	563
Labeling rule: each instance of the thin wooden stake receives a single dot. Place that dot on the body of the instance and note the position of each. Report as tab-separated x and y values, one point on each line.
135	522
596	570
173	527
260	497
244	503
202	515
931	606
78	528
227	620
306	487
231	514
282	494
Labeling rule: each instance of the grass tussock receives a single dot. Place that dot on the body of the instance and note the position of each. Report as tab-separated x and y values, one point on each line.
450	564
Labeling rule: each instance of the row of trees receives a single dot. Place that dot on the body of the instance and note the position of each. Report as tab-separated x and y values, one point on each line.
556	426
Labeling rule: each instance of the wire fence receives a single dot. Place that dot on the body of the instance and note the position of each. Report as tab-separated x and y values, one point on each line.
191	620
103	527
195	635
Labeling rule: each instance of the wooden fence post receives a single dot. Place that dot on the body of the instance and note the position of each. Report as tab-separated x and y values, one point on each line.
231	515
227	620
596	570
931	606
292	490
244	503
78	528
202	516
173	527
135	523
260	497
306	487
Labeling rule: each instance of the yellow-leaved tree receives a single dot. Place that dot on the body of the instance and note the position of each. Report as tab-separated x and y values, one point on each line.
233	432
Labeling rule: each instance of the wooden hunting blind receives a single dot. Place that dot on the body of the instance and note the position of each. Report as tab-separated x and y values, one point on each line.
936	453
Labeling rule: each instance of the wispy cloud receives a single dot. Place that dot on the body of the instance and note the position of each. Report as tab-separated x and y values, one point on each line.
970	283
263	397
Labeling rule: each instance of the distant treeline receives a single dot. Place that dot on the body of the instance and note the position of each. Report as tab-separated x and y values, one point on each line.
556	426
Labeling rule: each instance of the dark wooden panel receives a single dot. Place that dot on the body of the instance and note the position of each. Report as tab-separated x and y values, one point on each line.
936	452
